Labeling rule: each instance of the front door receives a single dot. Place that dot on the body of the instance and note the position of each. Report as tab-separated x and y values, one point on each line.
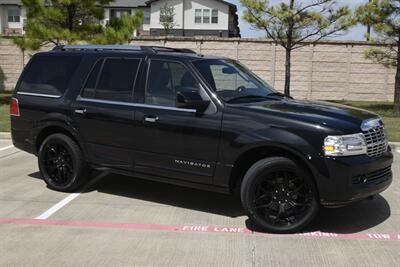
173	142
104	112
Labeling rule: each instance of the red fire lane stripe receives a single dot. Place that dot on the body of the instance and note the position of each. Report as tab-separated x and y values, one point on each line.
191	228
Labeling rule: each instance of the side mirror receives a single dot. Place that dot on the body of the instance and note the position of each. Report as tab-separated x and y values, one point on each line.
191	100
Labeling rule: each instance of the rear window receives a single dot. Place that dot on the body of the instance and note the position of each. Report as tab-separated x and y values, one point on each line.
49	75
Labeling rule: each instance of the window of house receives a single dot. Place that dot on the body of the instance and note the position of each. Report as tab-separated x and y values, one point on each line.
206	16
214	16
146	16
165	79
14	14
197	16
116	80
49	75
118	13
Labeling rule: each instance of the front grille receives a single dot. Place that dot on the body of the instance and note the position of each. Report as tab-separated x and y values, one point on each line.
378	176
377	142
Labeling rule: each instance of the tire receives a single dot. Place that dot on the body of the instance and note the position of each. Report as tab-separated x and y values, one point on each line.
61	163
279	196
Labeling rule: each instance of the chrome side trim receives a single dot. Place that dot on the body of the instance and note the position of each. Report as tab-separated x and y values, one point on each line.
41	95
79	98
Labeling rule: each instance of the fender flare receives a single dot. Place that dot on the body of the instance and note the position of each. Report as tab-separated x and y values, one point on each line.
55	121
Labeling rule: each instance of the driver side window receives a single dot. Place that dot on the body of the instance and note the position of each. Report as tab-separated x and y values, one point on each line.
165	79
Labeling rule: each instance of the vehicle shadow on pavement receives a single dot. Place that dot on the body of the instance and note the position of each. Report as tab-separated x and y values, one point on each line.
172	195
354	218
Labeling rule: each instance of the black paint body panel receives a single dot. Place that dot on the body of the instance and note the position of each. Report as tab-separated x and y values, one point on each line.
196	150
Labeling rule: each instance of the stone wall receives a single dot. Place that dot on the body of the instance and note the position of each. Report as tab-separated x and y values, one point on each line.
328	70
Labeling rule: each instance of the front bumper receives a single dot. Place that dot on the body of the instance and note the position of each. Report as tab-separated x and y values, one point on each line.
355	178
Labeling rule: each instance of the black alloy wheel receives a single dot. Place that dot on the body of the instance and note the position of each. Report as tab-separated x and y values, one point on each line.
58	163
279	196
61	163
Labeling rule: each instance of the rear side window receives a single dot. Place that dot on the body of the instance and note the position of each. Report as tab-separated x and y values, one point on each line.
49	75
116	80
90	87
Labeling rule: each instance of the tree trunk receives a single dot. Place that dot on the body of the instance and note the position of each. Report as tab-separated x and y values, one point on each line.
288	49
397	82
287	71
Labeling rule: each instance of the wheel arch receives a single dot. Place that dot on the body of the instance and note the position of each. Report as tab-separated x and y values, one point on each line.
53	128
254	154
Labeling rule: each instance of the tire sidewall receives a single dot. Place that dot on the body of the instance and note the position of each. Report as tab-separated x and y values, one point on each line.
257	173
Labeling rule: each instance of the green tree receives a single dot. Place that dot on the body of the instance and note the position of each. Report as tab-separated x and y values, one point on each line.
119	30
167	14
67	21
383	15
296	23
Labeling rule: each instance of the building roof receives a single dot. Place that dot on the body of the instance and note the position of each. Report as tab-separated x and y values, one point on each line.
221	1
10	2
128	3
115	3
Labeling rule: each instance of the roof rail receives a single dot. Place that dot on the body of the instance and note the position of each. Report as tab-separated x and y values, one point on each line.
170	49
151	49
98	47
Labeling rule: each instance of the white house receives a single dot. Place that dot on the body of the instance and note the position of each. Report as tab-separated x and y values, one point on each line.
191	17
197	17
12	17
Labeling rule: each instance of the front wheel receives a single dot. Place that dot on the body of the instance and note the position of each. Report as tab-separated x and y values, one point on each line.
279	196
61	163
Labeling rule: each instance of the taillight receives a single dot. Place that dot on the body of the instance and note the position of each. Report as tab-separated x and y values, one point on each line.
14	107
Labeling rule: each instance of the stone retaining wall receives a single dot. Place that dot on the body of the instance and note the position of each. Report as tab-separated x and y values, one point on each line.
329	70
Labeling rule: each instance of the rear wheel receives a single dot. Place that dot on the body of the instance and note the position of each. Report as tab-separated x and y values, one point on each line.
278	195
61	163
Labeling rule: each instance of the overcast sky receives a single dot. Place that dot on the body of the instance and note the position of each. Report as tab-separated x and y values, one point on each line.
356	33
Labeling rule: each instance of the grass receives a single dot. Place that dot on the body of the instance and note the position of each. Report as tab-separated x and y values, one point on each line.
4	112
384	109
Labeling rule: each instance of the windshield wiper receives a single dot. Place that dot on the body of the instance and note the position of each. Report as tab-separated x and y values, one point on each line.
247	97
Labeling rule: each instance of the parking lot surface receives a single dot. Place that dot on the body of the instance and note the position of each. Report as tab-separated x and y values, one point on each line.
119	220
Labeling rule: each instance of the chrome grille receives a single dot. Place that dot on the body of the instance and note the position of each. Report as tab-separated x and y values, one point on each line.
377	141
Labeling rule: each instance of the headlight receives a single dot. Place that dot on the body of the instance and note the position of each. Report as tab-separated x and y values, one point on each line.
345	145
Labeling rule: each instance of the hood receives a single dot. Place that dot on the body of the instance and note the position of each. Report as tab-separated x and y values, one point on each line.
334	116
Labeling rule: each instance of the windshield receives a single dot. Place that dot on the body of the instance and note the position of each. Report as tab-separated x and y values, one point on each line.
232	81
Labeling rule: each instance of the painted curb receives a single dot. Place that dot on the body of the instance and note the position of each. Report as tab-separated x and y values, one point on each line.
5	135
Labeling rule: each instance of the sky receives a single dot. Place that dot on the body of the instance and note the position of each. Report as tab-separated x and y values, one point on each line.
355	33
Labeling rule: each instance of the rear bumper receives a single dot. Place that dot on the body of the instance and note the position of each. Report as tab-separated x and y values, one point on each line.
21	141
355	178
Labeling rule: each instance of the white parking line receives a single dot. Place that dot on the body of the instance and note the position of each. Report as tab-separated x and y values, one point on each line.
57	206
6	147
68	199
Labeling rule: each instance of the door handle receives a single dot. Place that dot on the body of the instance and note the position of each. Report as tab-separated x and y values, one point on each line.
80	111
151	119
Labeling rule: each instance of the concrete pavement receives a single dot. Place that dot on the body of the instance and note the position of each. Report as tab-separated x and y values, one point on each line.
125	221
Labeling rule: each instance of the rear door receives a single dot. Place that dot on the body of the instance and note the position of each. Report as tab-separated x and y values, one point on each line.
170	141
104	112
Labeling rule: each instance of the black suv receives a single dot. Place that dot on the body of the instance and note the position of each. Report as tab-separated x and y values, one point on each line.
175	116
